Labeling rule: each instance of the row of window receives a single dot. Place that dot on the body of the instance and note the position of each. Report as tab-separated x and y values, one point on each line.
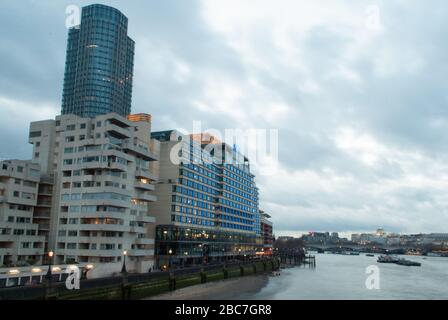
239	199
91	246
236	226
193	202
236	212
232	204
101	159
192	193
192	221
19	219
237	194
95	196
200	178
192	211
18	232
198	186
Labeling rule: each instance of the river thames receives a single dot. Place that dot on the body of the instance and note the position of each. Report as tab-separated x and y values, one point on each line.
344	277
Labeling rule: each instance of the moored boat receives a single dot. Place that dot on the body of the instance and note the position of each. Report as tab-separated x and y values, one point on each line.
387	259
408	263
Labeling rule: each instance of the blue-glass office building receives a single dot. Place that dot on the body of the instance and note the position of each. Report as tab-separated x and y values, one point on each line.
207	208
99	64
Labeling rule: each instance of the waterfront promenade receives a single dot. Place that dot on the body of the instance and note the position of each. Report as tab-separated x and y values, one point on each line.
138	286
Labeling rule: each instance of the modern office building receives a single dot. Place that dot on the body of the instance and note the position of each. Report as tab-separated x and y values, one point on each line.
207	208
21	242
104	172
99	64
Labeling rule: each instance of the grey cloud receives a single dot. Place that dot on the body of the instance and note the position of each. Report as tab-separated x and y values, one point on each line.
404	110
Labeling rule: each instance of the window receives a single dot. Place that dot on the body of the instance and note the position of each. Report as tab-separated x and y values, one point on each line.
16	194
26	245
28	183
72	233
19	169
71	245
71	127
10	219
38	144
70	139
36	155
28	196
35	134
82	126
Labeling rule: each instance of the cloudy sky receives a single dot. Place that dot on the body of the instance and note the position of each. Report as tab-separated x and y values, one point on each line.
357	90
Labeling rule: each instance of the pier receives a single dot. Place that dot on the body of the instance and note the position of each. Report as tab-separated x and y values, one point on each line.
295	257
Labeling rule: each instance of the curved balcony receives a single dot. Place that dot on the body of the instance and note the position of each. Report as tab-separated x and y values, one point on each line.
145	173
104	227
147	219
91	253
145	153
146	197
140	253
144	186
102	214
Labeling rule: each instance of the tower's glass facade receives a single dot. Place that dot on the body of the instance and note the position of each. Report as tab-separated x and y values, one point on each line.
99	65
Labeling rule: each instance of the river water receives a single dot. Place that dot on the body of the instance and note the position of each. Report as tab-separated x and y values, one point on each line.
344	277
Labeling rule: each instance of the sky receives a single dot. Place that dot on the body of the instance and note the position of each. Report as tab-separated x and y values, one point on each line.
356	90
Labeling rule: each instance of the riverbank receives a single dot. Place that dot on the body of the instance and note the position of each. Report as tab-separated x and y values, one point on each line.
139	286
237	288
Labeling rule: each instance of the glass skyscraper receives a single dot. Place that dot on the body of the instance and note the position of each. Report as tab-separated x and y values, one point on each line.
99	64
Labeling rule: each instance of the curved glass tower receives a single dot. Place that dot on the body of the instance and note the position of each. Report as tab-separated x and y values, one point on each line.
99	64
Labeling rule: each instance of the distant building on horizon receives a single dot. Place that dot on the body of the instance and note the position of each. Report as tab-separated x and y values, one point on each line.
99	64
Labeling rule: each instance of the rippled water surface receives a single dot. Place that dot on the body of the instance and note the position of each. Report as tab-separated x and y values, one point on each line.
344	277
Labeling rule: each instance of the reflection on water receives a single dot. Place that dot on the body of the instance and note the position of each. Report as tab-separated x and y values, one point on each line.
344	277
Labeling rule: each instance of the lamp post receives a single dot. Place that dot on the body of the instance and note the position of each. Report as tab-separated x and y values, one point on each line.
49	276
202	253
170	252
123	268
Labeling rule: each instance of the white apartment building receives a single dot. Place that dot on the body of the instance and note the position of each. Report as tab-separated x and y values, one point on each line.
104	172
20	242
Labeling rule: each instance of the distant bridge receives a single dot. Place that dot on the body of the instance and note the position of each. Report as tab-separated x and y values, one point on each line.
352	247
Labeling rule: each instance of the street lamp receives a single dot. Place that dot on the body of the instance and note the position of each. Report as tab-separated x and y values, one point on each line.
170	252
123	268
50	260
